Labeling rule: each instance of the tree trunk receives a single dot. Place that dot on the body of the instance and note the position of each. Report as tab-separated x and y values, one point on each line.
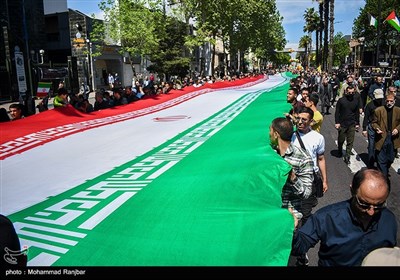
316	48
331	33
309	50
320	29
326	25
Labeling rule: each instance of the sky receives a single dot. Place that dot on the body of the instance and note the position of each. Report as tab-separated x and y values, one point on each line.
291	10
293	22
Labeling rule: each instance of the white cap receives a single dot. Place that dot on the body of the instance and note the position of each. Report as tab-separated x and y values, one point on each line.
378	93
383	257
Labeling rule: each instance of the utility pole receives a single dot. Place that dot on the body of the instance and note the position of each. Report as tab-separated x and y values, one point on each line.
355	57
92	66
91	80
28	95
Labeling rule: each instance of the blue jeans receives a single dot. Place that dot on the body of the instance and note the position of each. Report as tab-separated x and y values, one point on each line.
371	147
386	155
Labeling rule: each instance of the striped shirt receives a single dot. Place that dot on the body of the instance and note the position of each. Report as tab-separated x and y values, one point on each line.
294	192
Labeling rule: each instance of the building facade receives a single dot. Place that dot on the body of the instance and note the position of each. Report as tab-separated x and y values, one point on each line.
22	23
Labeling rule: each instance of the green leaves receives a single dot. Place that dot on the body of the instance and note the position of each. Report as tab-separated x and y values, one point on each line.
144	27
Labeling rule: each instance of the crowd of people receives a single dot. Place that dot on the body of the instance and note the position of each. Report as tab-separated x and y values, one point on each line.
115	95
350	232
347	231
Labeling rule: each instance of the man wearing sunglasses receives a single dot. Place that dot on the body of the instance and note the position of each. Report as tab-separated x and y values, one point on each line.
386	123
349	230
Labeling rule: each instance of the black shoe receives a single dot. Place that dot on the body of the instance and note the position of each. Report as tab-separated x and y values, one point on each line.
346	159
339	154
302	260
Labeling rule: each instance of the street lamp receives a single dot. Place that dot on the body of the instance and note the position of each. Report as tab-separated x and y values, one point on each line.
361	51
78	34
41	52
35	57
90	59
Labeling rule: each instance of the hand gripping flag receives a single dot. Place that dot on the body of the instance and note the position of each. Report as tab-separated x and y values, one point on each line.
393	20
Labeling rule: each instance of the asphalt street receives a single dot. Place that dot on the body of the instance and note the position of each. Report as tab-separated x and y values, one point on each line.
340	174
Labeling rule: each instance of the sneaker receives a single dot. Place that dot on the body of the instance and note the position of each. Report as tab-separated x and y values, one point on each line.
302	260
346	159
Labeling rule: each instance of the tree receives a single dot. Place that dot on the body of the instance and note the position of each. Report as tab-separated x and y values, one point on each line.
280	58
388	37
305	42
341	49
312	23
167	58
319	30
326	29
331	33
244	25
134	23
141	26
131	24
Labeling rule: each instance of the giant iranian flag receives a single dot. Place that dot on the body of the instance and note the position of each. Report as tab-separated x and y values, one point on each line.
193	183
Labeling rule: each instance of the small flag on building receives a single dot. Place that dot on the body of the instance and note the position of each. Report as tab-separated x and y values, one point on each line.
43	89
372	21
393	21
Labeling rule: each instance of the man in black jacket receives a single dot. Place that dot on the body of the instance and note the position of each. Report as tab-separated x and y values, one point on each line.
347	121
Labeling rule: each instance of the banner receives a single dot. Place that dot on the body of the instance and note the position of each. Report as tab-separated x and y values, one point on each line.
20	69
